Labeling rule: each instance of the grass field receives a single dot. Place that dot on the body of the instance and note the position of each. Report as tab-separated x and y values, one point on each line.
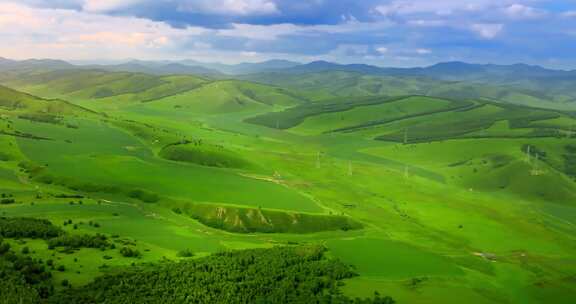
430	200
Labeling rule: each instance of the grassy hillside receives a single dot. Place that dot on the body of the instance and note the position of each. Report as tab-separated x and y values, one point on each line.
326	84
428	199
419	119
97	85
14	102
340	83
230	96
451	124
106	91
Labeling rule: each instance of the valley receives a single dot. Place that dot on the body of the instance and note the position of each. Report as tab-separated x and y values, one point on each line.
428	198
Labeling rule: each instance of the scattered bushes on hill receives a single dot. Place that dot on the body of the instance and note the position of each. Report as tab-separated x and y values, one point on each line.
30	168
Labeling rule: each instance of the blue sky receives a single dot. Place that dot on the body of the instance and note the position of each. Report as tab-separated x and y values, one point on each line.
380	32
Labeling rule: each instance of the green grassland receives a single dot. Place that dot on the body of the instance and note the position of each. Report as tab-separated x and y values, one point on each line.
109	91
359	115
429	200
95	84
329	84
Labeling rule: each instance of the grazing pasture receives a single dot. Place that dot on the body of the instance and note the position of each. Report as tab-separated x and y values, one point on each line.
425	199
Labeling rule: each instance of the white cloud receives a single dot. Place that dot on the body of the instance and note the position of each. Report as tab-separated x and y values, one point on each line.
520	11
274	31
427	23
569	14
441	8
101	6
382	50
230	7
58	33
487	30
350	50
423	51
259	32
249	54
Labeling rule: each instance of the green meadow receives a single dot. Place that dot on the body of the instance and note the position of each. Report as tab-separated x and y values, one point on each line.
427	199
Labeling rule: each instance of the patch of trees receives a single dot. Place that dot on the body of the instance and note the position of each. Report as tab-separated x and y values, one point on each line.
534	152
204	155
19	227
144	196
30	168
22	279
185	253
277	275
7	201
22	134
44	118
69	196
80	241
527	121
28	228
5	157
570	160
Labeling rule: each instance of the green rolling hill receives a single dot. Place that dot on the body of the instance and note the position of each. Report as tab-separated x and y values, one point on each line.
324	84
450	124
186	92
231	96
97	84
456	192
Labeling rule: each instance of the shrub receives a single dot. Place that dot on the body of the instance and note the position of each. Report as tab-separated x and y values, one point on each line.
186	253
7	201
144	196
129	252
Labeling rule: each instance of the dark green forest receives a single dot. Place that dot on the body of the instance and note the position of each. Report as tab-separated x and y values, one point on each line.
292	274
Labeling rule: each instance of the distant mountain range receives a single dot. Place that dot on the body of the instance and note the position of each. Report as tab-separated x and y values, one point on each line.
246	67
455	70
517	83
446	70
